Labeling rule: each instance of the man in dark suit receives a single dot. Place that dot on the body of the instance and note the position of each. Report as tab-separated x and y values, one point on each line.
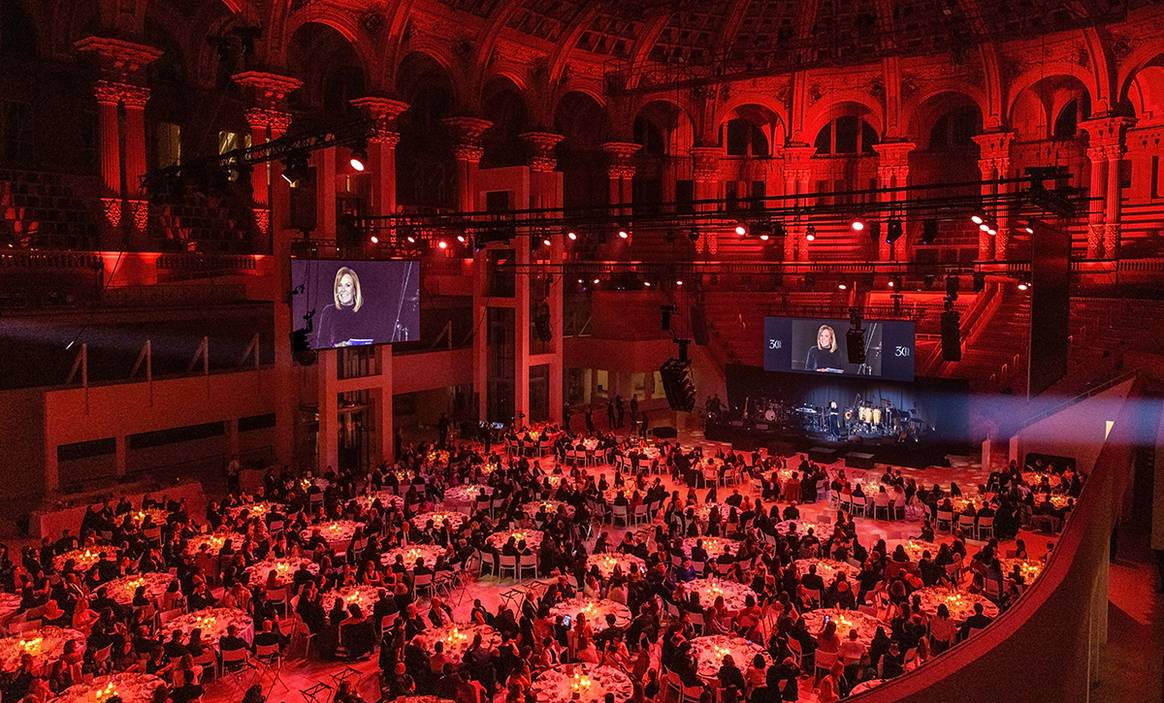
976	621
811	580
698	553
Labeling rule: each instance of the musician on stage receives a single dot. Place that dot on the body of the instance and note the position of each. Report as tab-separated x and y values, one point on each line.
824	356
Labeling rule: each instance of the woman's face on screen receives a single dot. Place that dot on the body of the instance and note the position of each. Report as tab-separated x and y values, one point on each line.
824	338
346	289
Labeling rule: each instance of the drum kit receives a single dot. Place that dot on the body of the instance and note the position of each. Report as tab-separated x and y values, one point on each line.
862	418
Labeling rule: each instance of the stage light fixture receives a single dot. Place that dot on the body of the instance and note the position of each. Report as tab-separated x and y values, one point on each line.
647	284
810	234
443	244
411	239
572	236
929	231
764	237
375	239
892	283
976	219
842	286
1029	230
546	241
295	169
991	231
1024	284
893	230
741	229
461	238
359	159
595	281
623	232
679	282
857	225
895	282
984	227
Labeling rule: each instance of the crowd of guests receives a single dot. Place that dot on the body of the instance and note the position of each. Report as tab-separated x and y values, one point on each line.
531	639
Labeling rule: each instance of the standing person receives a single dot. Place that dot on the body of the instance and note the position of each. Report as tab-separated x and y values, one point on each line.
566	417
610	414
643	425
619	410
443	428
590	420
634	410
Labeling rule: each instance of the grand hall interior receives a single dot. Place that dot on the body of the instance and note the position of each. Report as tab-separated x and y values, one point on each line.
581	351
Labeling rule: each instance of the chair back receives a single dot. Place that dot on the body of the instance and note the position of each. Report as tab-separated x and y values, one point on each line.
26	625
267	651
508	561
234	656
425	580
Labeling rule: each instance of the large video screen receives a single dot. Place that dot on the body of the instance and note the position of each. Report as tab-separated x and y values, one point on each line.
354	303
807	345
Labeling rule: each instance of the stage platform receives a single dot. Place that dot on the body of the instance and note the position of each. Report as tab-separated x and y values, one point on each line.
884	450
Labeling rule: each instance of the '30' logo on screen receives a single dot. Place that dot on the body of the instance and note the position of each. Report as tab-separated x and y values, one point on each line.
900	351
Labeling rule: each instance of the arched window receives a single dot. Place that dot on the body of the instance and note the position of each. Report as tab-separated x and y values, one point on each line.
650	136
954	129
1067	123
847	134
744	138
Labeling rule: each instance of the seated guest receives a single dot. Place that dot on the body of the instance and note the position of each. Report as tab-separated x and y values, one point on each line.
976	621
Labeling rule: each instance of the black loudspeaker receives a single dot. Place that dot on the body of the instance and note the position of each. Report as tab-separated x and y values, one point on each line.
542	323
699	324
678	385
952	284
301	349
951	336
855	341
929	231
664	432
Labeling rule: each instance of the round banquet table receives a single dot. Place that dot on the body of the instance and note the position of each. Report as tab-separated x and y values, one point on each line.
714	546
866	686
453	518
363	596
1029	568
467	495
533	538
607	562
827	568
83	558
428	552
122	589
386	498
595	610
9	605
338	533
802	526
158	516
213	622
591	682
130	688
710	650
554	480
258	509
629	491
421	699
915	548
1035	478
734	594
865	624
213	541
457	639
703	511
959	602
285	568
550	507
45	644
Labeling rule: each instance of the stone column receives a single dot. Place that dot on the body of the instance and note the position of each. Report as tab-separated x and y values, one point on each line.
892	172
324	162
382	150
621	171
994	164
121	66
705	176
268	120
467	151
797	167
1105	151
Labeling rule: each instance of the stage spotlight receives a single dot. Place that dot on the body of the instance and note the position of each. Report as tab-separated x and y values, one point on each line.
895	282
892	283
623	232
375	239
679	282
857	225
842	286
443	244
460	238
411	239
1029	230
1024	284
984	227
976	219
991	231
572	236
295	169
810	234
359	159
546	241
646	284
595	281
893	231
741	229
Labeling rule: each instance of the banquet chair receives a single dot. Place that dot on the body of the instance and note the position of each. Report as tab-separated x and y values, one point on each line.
488	563
946	517
954	572
571	457
672	683
985	526
966	522
642	515
103	659
673	612
699	567
696	621
723	570
26	626
208	660
617	513
234	663
277	597
856	506
545	447
823	661
898	506
527	564
992	588
271	659
389	621
507	563
911	659
423	583
692	694
796	651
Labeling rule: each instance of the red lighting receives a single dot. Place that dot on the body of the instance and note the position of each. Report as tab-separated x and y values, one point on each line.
461	238
842	286
857	225
679	282
375	239
741	230
443	244
546	241
976	219
623	234
572	235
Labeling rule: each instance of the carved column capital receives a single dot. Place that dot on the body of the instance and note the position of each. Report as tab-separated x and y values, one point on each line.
265	88
542	146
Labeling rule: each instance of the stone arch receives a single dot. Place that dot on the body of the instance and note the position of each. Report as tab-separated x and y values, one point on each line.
330	66
1143	94
1047	71
344	24
582	119
846	102
1033	112
504	104
934	107
664	127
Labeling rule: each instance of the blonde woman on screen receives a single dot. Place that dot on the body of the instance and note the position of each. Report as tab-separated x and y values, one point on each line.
342	324
825	356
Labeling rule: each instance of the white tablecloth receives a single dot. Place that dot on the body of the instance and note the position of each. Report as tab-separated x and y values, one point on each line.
710	650
558	684
130	688
595	610
213	622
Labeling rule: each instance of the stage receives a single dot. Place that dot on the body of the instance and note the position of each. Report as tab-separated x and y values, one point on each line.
885	450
